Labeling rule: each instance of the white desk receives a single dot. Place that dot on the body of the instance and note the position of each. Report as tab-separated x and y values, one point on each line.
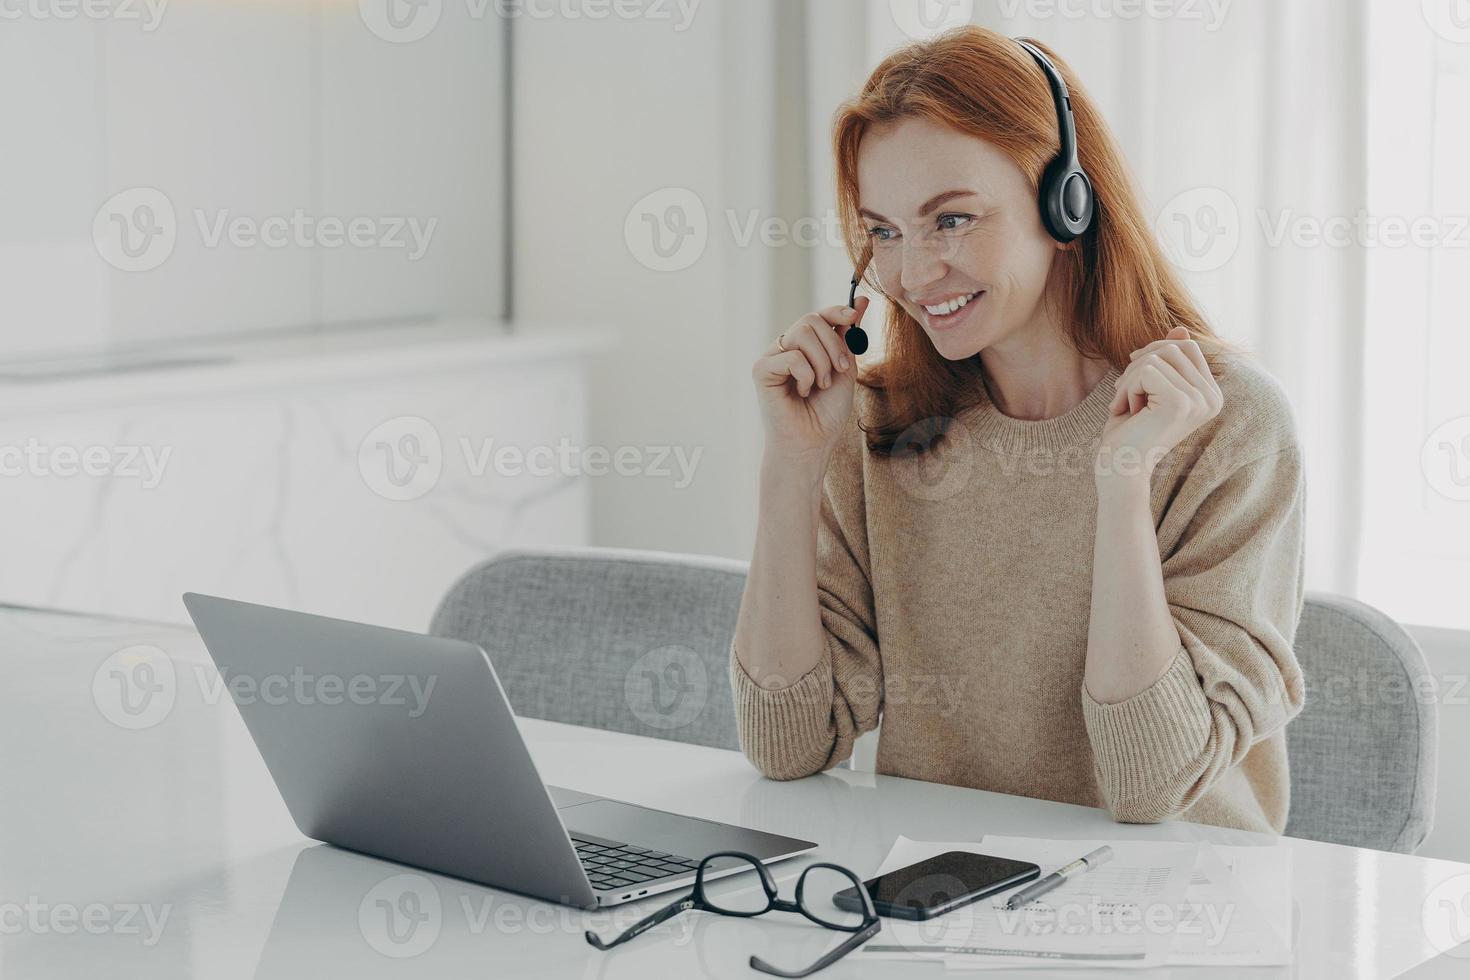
102	826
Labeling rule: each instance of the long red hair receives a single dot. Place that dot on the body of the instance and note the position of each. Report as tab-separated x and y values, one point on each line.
1124	292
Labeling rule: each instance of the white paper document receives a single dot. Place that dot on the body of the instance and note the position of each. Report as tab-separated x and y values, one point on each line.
1097	919
1152	904
1245	900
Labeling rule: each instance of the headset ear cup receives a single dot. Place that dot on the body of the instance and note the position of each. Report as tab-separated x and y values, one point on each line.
1066	219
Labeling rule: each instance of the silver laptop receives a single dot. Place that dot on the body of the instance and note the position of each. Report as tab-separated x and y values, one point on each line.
404	746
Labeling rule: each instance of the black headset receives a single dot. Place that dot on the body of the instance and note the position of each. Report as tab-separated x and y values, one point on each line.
1067	200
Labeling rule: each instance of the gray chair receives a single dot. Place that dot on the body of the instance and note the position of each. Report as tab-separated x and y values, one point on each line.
1363	748
637	641
626	641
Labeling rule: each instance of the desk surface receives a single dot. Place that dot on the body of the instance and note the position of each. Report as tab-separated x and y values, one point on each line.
146	839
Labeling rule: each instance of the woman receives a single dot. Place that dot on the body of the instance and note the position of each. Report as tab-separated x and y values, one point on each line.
1055	538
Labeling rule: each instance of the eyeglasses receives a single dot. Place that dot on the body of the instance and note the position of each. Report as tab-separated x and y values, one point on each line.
824	894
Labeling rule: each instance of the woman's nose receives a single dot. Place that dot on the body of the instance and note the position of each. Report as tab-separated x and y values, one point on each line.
921	267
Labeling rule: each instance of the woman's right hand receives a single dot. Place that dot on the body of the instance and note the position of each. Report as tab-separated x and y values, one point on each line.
806	390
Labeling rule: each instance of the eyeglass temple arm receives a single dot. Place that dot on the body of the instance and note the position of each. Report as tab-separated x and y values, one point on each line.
644	924
847	946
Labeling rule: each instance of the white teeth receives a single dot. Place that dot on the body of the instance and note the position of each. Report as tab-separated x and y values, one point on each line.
951	306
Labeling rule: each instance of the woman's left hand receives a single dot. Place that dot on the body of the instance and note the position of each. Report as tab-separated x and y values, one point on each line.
1162	396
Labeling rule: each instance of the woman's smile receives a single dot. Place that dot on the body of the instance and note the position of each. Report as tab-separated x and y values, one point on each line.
950	313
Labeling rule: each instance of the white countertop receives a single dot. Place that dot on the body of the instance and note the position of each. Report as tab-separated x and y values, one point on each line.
172	838
154	372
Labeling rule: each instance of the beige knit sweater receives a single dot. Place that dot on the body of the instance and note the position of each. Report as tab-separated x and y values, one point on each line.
955	596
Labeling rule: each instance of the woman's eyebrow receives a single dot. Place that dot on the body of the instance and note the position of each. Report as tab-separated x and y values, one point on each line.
928	205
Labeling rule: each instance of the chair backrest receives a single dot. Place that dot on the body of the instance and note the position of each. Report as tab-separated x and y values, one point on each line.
1363	748
639	642
627	641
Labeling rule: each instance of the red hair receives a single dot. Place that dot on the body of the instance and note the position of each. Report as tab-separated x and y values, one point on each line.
1124	293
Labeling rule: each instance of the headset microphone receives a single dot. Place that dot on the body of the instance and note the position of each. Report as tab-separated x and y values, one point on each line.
856	336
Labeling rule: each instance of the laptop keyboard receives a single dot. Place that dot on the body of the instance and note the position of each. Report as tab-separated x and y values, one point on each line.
613	865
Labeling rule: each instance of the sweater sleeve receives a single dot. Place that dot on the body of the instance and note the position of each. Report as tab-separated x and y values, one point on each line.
810	726
1233	577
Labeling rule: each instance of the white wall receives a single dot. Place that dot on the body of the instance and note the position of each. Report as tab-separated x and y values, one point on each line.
610	111
258	110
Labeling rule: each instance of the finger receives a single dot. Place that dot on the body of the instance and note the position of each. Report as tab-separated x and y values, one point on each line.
1201	378
1160	380
1150	376
1191	348
1119	404
831	338
1176	357
790	367
810	335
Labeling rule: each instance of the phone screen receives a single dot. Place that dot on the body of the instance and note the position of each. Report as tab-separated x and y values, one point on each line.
938	884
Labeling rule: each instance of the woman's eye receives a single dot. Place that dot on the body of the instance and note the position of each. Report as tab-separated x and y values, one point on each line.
949	222
881	234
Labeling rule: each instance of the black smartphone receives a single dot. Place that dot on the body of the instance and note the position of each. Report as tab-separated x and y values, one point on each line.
938	885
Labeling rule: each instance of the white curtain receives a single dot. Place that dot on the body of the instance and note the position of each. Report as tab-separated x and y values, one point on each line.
1240	119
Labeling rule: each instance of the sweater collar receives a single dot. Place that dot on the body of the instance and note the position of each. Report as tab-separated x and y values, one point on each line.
1083	423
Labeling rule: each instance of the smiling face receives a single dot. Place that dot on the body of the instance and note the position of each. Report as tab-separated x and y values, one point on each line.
957	236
